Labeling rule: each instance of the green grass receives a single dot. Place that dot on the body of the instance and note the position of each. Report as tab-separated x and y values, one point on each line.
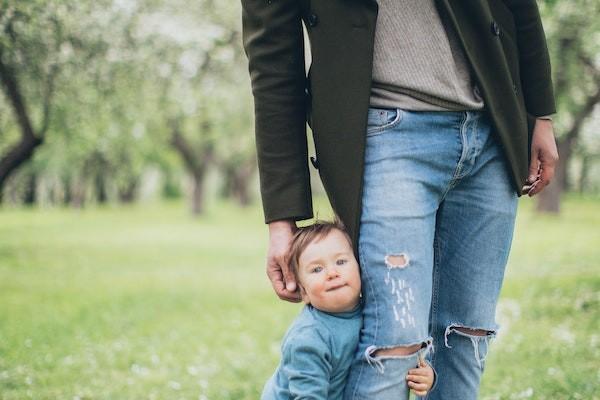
146	302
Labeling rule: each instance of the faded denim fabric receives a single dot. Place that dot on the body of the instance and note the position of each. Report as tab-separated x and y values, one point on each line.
438	212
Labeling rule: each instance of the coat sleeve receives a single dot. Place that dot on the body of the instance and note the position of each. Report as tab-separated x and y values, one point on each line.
534	60
273	42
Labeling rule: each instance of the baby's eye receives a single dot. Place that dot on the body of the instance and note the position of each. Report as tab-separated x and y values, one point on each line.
317	269
341	261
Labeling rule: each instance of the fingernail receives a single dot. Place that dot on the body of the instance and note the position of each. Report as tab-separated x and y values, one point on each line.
291	286
531	178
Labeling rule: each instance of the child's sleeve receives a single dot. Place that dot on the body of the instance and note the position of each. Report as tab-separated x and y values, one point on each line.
307	365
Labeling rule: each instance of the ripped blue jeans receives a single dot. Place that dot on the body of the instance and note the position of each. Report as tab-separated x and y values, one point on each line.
438	212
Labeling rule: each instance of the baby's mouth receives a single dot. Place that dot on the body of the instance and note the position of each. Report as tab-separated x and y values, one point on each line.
336	287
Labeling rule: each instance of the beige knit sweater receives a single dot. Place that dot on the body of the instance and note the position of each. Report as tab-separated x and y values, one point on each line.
418	63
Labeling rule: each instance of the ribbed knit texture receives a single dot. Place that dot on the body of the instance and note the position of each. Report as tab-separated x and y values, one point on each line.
418	64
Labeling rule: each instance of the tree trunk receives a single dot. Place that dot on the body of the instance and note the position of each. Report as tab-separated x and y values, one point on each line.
30	139
67	190
584	173
195	162
198	194
29	197
241	183
78	193
100	186
128	192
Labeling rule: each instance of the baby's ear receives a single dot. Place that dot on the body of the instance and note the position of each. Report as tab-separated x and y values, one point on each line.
303	294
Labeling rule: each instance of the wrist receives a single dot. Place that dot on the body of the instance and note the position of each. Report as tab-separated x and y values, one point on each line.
282	225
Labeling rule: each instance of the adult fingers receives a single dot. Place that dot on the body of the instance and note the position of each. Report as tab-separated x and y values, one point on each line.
276	276
547	168
288	276
534	165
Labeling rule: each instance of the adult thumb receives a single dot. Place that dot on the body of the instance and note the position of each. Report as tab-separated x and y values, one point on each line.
534	166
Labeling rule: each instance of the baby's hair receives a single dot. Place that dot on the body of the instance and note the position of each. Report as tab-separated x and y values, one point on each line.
307	234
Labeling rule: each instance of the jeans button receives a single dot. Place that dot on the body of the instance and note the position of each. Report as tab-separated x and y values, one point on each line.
313	20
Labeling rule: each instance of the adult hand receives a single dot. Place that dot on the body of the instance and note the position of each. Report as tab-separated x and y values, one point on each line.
278	271
544	156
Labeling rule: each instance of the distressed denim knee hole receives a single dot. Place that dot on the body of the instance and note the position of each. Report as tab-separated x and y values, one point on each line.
475	336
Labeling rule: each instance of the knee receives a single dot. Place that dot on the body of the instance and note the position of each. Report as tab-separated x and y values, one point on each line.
479	338
398	350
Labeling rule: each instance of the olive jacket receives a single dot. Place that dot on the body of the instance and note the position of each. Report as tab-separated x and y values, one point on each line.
503	41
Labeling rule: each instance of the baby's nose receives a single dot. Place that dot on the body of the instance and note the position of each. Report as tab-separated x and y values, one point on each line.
333	272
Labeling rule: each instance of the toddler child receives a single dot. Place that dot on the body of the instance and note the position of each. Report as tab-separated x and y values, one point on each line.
319	346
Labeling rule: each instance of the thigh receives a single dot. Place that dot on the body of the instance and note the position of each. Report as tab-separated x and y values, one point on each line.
410	160
400	198
474	231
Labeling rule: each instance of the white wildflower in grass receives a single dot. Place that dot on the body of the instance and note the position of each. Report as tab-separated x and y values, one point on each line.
562	333
525	394
139	370
492	397
175	385
202	397
28	343
554	371
507	312
203	383
192	370
594	340
155	359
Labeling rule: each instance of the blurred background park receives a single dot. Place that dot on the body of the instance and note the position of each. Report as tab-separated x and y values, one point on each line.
132	242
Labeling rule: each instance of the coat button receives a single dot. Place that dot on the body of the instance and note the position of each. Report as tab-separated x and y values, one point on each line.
314	162
313	20
495	28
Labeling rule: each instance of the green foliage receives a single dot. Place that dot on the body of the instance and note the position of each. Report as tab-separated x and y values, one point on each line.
573	34
118	72
144	302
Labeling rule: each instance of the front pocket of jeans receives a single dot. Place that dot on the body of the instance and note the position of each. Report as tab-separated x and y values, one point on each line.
380	120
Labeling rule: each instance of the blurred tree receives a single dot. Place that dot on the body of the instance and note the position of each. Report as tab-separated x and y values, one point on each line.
114	87
26	57
573	29
197	51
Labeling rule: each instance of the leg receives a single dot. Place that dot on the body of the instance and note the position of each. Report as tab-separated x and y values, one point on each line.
407	168
473	236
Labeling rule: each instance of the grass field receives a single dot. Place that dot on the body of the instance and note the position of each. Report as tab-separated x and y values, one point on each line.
148	303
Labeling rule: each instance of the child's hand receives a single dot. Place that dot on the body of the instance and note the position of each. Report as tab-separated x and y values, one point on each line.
420	379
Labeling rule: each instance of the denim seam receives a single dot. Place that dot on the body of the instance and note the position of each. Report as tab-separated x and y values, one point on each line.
435	287
460	156
387	126
364	269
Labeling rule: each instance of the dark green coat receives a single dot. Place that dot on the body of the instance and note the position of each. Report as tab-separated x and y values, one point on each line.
503	41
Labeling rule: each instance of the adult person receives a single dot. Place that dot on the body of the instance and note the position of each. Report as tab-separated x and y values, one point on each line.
430	118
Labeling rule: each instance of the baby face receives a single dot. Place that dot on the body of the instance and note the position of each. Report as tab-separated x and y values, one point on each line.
329	275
